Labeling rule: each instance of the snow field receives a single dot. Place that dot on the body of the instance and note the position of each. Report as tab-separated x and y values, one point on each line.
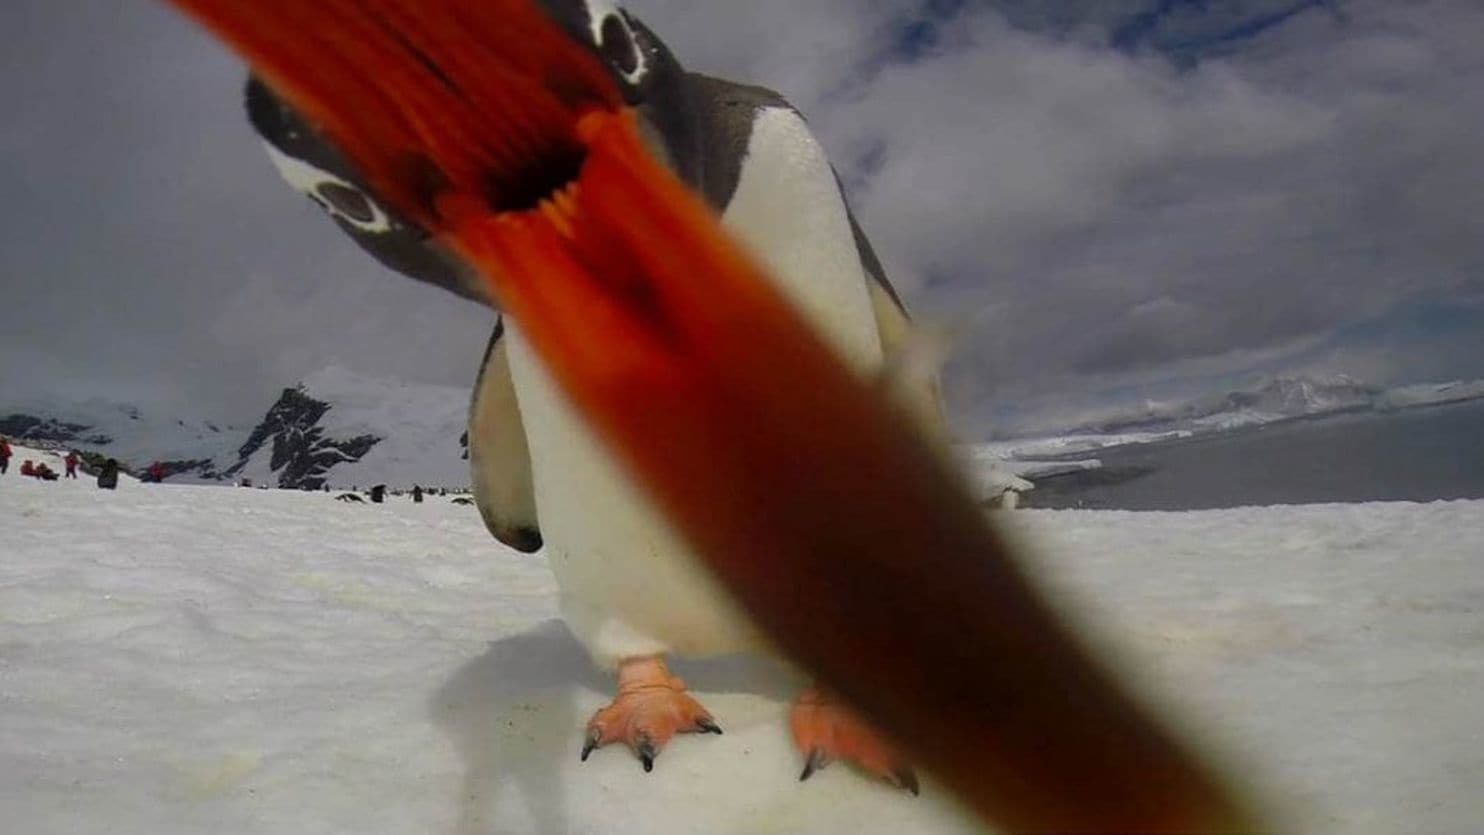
187	659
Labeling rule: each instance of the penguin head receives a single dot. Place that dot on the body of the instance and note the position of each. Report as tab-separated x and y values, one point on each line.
312	166
637	60
649	77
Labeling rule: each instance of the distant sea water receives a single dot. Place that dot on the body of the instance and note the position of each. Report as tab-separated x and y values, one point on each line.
1421	454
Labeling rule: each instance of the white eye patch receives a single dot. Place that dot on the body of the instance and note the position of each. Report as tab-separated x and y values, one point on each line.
597	10
611	33
338	197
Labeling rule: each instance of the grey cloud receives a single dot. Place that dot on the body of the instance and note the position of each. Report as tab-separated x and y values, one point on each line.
148	249
1089	220
1325	175
805	50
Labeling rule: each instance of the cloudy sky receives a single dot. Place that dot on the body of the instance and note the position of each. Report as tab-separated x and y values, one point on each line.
1099	200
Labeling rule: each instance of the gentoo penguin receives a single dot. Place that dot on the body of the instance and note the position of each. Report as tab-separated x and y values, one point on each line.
630	591
527	136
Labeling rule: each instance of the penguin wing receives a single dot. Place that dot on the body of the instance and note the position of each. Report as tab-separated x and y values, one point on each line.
499	457
907	374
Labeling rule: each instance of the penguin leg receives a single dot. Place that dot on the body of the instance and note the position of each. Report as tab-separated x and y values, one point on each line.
825	729
651	706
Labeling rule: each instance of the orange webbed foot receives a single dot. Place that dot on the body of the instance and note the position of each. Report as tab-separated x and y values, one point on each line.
650	708
825	730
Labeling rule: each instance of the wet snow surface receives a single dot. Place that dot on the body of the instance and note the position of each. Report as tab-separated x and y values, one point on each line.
208	659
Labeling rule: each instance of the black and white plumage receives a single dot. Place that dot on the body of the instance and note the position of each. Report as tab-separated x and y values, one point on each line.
541	476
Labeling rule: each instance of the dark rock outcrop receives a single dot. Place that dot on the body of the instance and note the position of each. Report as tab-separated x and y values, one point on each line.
301	453
31	428
203	467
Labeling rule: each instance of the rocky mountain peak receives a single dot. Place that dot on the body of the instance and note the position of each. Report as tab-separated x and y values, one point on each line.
301	452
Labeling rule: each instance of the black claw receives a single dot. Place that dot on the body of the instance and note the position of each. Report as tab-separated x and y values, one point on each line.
592	743
816	761
647	755
906	778
708	725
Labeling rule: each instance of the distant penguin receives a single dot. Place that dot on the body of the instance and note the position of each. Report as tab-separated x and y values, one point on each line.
108	475
630	590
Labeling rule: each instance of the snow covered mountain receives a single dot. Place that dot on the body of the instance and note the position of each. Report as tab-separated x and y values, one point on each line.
340	428
335	427
1059	449
112	429
298	450
345	429
1431	394
1277	399
1281	398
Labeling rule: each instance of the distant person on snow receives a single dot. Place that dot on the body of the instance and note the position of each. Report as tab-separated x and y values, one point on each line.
38	471
156	472
378	494
4	455
108	476
71	462
417	494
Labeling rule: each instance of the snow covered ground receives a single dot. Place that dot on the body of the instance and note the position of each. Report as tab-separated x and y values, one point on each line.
197	659
1028	459
997	465
1031	448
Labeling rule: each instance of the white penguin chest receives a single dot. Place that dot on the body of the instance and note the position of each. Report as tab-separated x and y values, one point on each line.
788	210
615	557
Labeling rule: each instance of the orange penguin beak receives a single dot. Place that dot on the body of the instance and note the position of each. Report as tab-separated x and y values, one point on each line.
850	542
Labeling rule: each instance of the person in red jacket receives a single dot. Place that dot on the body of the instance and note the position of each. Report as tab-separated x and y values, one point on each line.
157	472
71	462
4	455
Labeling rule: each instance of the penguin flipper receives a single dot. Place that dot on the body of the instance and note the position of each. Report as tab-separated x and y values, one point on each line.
910	367
499	457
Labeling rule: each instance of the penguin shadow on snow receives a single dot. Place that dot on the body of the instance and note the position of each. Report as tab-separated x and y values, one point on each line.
516	715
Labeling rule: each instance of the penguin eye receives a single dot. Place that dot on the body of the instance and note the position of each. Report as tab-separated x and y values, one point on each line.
617	46
344	201
347	201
